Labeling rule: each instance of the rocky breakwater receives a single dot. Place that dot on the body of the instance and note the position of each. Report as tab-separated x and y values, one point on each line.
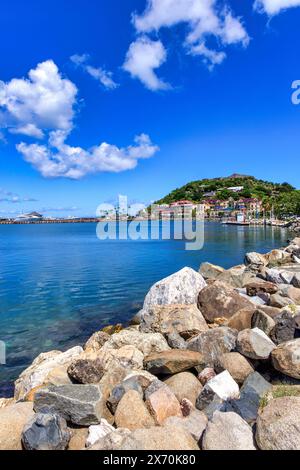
211	362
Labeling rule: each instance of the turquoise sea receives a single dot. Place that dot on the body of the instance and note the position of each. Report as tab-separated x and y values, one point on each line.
60	283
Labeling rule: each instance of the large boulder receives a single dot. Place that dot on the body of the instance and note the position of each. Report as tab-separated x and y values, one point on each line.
285	328
255	259
162	403
172	362
184	385
228	431
37	374
146	343
82	405
253	390
164	438
278	425
242	319
237	276
132	412
254	344
13	418
259	286
186	320
86	371
182	287
218	300
286	358
237	365
213	343
46	432
220	388
210	271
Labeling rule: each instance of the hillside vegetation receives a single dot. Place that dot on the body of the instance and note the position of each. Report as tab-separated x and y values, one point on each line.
283	197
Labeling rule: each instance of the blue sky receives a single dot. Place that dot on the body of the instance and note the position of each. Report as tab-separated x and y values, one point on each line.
140	105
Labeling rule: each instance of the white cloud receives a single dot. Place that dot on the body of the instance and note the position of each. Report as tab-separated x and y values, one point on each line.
143	57
98	73
204	19
8	196
44	101
58	159
43	105
273	7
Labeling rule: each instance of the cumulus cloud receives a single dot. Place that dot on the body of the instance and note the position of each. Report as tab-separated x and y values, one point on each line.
57	159
44	106
273	7
143	57
98	73
43	101
204	19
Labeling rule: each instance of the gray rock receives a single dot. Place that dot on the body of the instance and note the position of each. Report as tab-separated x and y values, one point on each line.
284	328
262	321
213	343
251	393
195	423
120	390
279	301
254	344
79	404
182	287
273	275
46	432
296	280
175	341
228	431
287	277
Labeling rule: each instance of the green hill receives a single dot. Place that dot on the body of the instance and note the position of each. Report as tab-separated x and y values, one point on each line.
282	196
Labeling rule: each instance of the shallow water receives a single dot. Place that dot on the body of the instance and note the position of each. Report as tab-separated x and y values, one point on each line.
60	283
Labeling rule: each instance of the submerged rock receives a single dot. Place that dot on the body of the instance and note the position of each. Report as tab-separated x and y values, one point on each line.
46	432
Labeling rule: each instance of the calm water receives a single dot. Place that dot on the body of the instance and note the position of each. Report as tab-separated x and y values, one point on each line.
59	283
